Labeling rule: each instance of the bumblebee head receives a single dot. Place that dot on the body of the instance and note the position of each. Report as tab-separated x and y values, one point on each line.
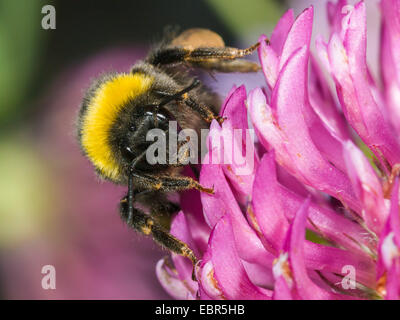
110	122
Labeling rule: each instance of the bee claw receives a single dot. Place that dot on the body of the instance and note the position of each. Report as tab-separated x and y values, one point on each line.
221	119
207	190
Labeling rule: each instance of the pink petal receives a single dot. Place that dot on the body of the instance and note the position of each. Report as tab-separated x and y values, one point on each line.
339	67
390	18
355	90
214	205
227	98
269	61
330	259
395	212
241	175
180	229
325	140
171	283
390	62
281	30
208	285
298	36
260	275
305	288
322	51
234	150
222	203
291	183
269	214
336	14
326	126
389	248
235	109
266	126
393	281
281	290
288	36
273	204
323	104
228	269
367	186
203	295
291	139
272	207
190	204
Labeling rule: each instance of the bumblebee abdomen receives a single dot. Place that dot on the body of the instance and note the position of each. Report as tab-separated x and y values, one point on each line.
99	112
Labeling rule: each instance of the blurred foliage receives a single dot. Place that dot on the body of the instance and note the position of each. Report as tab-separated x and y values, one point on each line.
20	43
242	17
26	194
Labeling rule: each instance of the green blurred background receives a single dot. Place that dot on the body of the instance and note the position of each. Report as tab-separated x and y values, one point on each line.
53	210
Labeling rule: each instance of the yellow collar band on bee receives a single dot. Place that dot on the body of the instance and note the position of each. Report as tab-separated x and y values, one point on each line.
101	113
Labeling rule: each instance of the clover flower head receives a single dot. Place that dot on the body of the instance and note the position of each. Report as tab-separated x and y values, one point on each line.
317	214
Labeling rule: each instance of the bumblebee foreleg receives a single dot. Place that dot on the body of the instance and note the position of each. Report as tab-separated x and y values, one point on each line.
204	111
147	181
183	96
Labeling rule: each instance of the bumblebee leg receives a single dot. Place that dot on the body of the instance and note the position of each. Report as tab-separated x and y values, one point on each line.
205	112
227	53
145	224
146	181
168	97
160	208
180	55
228	65
182	158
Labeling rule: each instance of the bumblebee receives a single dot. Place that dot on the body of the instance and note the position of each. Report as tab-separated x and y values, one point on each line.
120	108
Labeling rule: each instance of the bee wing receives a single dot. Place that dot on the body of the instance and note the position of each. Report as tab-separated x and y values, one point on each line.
198	38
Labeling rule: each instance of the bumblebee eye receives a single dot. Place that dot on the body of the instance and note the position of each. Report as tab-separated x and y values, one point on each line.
132	128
